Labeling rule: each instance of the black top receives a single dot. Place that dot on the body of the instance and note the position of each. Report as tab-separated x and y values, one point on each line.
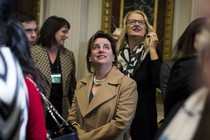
165	71
144	125
181	82
56	93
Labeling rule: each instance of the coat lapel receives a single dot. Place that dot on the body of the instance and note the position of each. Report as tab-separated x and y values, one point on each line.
65	67
82	95
105	93
43	63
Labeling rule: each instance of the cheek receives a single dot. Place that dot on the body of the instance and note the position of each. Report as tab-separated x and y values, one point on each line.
28	35
206	74
128	29
144	30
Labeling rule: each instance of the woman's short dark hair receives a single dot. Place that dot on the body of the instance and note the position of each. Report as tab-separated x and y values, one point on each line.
100	34
48	30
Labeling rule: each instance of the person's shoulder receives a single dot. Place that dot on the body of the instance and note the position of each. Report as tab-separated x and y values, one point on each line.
184	66
35	48
186	60
67	51
123	78
167	64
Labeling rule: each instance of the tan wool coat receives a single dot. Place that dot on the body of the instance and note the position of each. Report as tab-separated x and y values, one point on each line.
67	61
110	113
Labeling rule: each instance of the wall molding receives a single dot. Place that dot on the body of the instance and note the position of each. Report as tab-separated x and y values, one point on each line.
168	30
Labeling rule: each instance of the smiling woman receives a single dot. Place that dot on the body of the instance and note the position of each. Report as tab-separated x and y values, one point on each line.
56	65
140	60
114	11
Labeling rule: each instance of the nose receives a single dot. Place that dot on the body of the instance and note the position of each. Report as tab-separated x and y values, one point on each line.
66	36
101	48
137	23
34	33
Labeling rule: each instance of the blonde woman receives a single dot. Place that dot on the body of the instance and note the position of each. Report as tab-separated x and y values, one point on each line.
139	60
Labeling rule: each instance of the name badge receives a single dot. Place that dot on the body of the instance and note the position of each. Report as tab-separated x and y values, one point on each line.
56	78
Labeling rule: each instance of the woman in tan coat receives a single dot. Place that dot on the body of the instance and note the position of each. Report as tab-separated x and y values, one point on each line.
105	101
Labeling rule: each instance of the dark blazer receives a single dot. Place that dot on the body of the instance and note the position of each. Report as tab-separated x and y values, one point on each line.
42	63
147	78
110	113
181	82
165	71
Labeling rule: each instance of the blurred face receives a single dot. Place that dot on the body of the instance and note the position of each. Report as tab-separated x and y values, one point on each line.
101	52
136	25
201	39
196	41
31	31
206	67
61	35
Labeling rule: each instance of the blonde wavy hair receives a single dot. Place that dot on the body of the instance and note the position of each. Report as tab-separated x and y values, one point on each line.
123	38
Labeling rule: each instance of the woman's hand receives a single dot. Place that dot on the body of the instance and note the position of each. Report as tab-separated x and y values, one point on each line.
153	40
152	44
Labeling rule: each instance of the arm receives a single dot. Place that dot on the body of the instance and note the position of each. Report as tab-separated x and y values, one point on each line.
72	81
153	40
125	110
164	76
156	60
155	68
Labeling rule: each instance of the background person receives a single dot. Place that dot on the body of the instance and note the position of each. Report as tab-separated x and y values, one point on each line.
29	24
139	60
181	81
105	101
194	112
18	43
13	91
56	65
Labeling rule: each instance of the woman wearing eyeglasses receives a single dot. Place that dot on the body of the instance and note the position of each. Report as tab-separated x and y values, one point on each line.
105	101
139	60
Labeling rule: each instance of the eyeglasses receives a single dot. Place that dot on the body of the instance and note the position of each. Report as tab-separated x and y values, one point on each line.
133	21
104	46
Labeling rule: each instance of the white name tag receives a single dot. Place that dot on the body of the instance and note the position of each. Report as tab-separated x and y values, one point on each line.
56	78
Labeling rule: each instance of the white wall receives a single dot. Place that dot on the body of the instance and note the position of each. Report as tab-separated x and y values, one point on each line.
186	11
182	17
85	19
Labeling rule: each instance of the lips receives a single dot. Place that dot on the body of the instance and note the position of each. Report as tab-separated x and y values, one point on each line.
101	56
136	29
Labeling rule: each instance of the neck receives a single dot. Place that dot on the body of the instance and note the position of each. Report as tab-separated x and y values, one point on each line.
53	49
101	72
133	42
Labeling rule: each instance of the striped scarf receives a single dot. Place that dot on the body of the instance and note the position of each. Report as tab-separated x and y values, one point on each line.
131	61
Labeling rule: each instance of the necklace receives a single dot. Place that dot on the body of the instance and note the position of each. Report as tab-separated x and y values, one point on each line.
97	82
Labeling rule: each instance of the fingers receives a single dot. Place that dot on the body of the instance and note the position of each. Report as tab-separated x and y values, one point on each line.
153	36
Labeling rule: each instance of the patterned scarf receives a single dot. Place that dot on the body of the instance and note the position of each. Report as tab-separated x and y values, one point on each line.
131	62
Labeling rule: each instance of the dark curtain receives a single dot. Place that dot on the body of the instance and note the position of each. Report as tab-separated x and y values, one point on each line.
23	5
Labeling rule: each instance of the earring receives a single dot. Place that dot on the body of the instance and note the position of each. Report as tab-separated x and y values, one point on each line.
113	60
89	60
